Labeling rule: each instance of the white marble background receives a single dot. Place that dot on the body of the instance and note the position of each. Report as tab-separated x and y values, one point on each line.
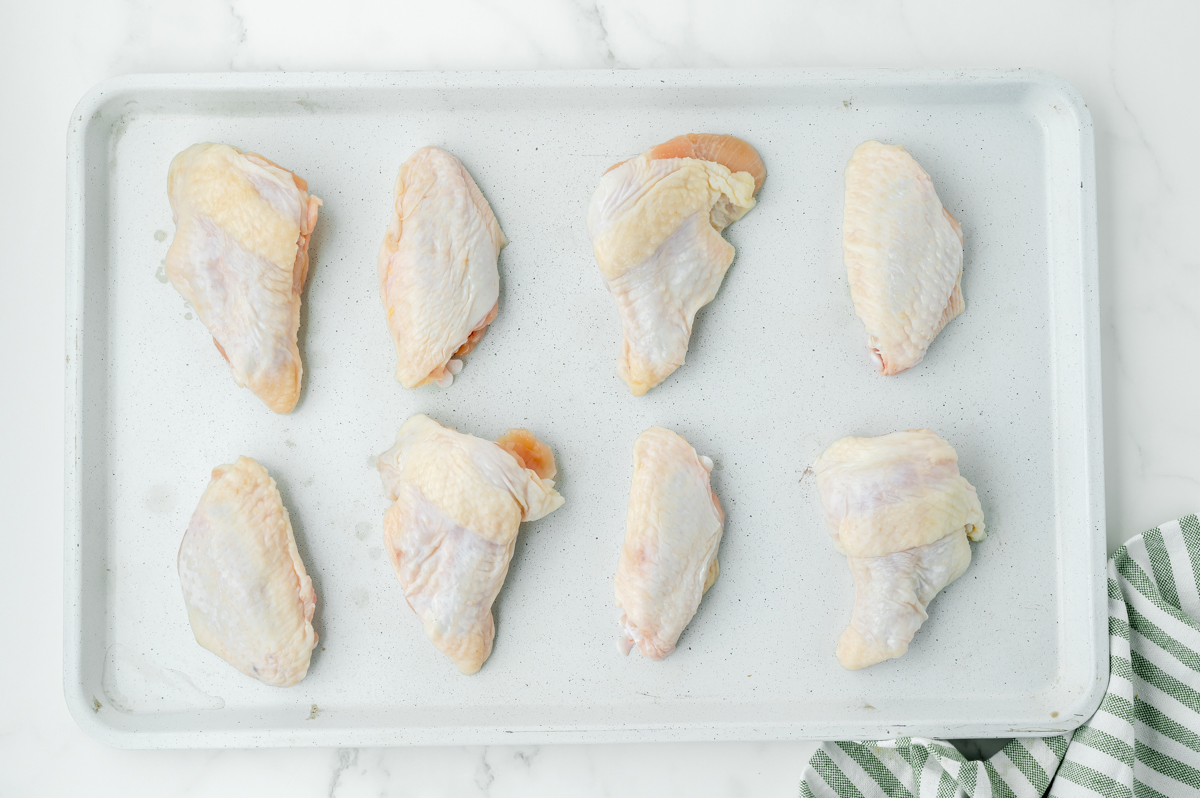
1135	64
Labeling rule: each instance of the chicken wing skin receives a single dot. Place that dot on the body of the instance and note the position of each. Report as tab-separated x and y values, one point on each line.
438	272
655	223
240	257
903	252
901	513
672	531
458	503
249	599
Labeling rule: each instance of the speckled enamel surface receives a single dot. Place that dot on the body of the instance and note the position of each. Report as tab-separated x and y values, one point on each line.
775	372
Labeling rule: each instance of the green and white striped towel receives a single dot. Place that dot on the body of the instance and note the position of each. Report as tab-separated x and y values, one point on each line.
1143	742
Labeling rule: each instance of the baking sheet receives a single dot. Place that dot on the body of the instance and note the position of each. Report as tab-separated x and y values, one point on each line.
777	370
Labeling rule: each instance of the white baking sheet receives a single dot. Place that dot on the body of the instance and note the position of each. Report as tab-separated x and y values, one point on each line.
776	371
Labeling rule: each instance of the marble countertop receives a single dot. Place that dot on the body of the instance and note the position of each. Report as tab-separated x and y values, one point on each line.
1134	66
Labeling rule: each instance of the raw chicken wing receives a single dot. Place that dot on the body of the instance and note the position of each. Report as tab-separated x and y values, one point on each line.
901	513
656	223
451	531
672	531
248	597
903	253
240	257
437	267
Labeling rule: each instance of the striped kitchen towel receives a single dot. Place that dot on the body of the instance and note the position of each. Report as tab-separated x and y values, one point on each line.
1143	742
